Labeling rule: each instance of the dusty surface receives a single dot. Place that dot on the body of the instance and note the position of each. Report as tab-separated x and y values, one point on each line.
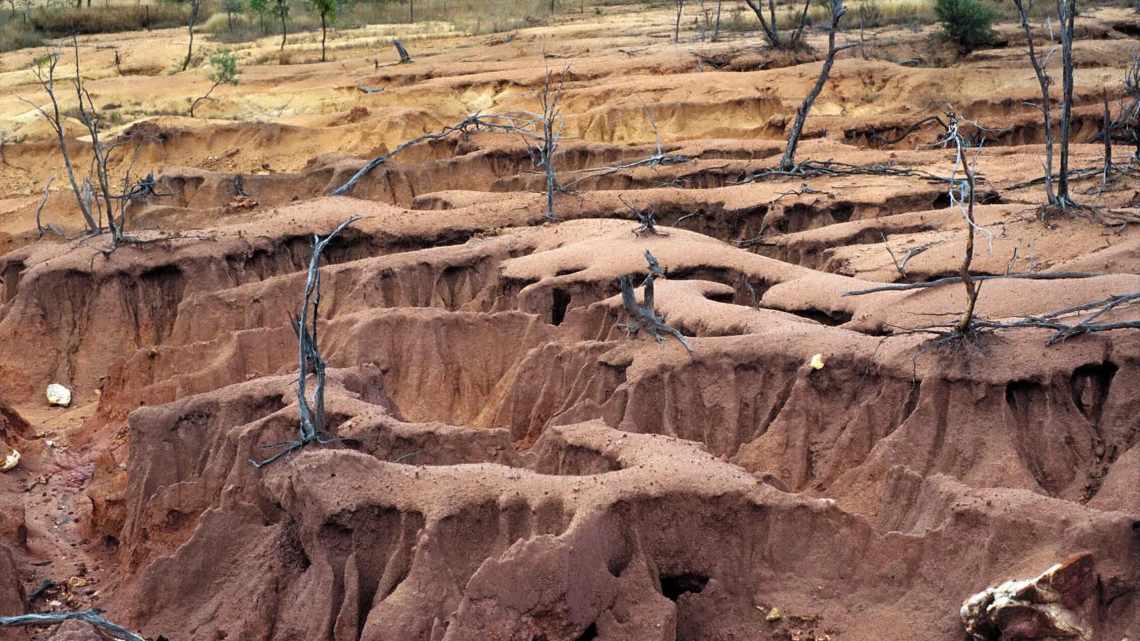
512	465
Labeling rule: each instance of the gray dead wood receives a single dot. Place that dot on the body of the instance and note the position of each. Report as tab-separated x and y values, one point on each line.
644	316
1045	82
404	57
40	208
788	161
312	417
92	617
474	122
950	280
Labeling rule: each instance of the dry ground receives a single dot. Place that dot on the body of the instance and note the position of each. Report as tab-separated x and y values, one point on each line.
513	465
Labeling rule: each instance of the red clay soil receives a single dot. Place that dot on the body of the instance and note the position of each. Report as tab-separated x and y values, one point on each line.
509	464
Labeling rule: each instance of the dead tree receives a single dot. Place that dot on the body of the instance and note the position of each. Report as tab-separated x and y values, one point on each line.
772	30
404	57
716	27
1066	15
100	150
646	219
643	315
40	208
1128	122
1045	83
92	617
1107	169
312	424
788	161
549	122
962	194
195	5
45	75
677	23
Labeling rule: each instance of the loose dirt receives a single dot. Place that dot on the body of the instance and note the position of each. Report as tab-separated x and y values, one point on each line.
509	463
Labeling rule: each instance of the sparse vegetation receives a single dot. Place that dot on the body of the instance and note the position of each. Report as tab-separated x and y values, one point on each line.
223	71
967	22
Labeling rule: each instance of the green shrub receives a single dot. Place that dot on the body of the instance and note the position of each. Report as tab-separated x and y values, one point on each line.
223	68
967	22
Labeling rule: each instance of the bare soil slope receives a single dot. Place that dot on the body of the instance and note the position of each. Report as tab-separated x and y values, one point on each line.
510	464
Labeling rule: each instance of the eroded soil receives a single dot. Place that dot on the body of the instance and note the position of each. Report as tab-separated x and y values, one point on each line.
510	463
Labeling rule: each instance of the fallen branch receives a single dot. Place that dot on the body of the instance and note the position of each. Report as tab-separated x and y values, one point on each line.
474	121
92	617
815	169
950	280
1064	331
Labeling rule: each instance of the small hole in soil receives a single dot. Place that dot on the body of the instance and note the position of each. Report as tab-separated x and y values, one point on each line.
111	542
589	634
674	586
834	318
560	301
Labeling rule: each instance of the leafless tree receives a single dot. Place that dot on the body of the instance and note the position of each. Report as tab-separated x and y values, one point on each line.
1106	171
92	617
643	315
1066	15
1128	121
44	72
40	208
788	161
771	28
548	126
716	27
1045	83
100	151
962	194
195	5
677	23
312	424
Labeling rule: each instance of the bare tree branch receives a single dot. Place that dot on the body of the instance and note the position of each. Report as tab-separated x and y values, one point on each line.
950	280
92	617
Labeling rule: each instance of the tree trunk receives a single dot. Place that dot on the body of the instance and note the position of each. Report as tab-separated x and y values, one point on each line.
716	29
412	11
677	25
1066	10
194	4
967	319
324	28
284	31
1107	145
788	162
1046	102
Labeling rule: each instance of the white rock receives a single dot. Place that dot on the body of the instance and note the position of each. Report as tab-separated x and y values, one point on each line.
10	461
58	395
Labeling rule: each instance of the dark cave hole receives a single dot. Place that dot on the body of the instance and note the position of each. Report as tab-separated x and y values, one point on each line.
676	585
559	304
